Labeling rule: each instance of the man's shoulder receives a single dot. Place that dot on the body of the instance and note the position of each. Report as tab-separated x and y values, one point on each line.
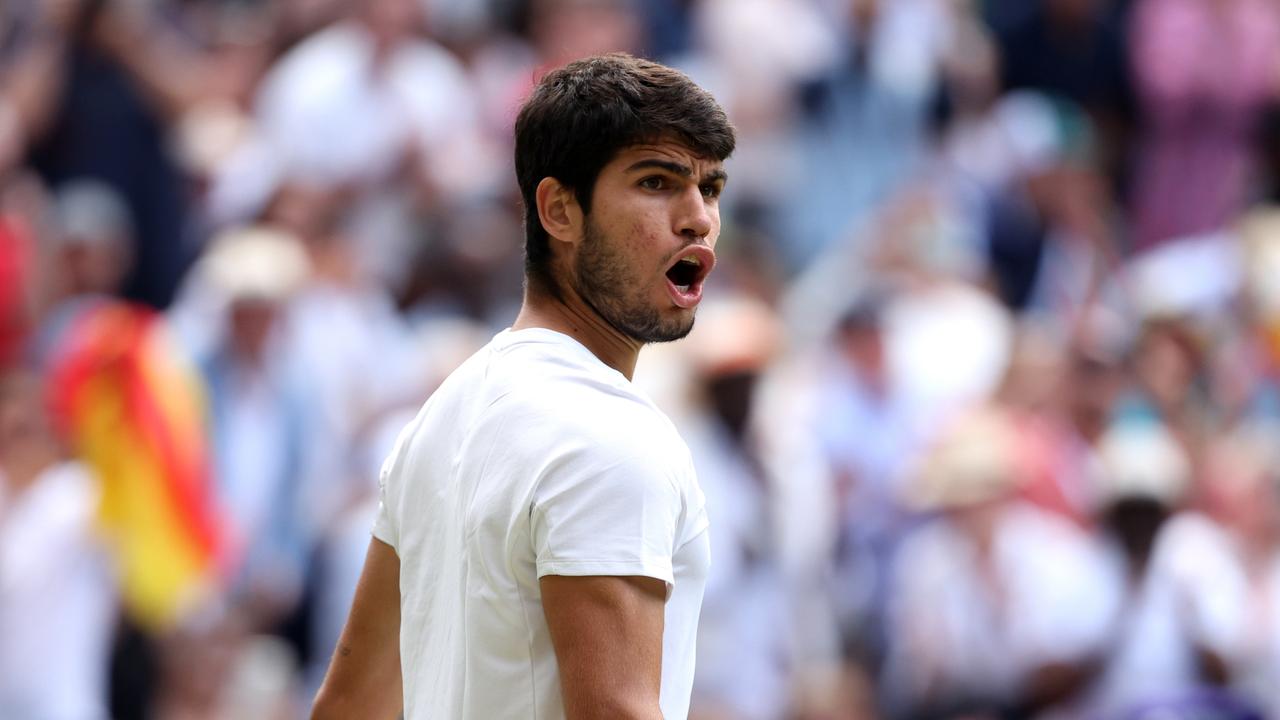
541	399
584	430
586	408
567	385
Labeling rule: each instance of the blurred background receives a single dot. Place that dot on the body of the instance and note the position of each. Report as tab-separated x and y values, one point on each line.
985	396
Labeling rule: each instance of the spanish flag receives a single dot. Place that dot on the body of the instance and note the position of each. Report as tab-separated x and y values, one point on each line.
132	408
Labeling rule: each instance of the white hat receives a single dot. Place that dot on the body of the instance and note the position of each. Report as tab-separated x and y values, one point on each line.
1143	460
1194	276
255	263
974	461
91	212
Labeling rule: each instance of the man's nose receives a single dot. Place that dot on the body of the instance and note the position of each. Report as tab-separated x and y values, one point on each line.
694	216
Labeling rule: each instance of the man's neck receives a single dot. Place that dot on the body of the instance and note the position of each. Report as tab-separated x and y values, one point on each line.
570	315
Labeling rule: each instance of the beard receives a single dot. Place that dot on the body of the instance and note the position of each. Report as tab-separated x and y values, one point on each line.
600	279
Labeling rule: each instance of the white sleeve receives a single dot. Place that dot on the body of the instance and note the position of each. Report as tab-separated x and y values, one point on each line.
1068	599
1213	588
600	512
383	527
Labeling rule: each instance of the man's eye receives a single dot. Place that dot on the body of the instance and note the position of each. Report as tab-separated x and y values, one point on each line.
711	191
652	183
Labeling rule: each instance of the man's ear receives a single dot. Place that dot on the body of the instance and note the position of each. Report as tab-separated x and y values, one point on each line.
558	210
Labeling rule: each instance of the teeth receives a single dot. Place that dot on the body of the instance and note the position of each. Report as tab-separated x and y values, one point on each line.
691	259
682	288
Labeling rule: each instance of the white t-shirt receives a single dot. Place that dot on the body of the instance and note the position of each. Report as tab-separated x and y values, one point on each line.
57	599
1194	593
951	632
534	458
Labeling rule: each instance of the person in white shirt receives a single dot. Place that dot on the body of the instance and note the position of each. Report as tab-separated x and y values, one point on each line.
58	590
989	607
540	548
1176	593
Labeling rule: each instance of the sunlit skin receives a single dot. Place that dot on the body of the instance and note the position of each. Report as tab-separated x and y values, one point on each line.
653	204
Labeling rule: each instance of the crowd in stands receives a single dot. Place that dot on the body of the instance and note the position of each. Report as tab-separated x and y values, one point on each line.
984	396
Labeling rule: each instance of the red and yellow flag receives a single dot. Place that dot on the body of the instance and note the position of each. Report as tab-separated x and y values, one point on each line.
133	409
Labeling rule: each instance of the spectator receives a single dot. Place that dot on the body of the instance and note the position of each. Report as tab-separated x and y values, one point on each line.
257	420
745	652
992	607
94	90
57	588
1174	586
1204	72
1075	49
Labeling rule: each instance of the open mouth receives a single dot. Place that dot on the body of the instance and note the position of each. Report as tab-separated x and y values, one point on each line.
687	273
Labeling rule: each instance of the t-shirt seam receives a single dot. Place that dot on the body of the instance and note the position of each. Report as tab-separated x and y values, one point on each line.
590	364
558	339
484	466
657	570
606	562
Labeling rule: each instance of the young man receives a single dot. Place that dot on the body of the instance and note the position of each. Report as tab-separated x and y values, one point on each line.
540	549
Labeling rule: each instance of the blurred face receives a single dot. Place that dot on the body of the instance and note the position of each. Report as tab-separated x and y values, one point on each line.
308	212
648	242
864	348
93	268
566	30
864	12
11	140
15	411
251	322
1091	393
391	21
1166	367
1241	491
27	439
1033	381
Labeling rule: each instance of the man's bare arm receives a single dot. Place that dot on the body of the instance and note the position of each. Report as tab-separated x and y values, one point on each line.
607	633
364	676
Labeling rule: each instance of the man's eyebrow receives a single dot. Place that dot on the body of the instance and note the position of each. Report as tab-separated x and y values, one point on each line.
671	167
678	169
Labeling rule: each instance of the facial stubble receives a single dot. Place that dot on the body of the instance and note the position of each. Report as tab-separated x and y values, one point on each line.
600	277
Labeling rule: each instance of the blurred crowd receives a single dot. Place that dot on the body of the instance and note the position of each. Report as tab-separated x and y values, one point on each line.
985	397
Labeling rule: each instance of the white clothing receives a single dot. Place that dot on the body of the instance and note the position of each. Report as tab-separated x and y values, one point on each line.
334	114
744	651
1194	593
336	110
353	350
57	600
1257	674
953	633
532	459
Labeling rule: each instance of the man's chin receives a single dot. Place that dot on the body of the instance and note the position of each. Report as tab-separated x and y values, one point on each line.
645	327
667	332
